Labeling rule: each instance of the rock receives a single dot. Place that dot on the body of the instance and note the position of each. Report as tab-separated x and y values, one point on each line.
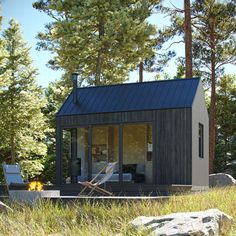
4	207
221	180
200	223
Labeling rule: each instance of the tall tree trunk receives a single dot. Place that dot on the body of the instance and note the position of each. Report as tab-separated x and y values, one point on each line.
188	40
141	72
212	121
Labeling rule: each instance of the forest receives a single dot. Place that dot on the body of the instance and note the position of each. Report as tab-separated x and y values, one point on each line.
104	41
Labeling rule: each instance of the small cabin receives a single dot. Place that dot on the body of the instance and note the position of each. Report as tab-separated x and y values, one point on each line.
156	131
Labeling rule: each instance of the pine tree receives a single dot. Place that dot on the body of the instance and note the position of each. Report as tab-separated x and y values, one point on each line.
214	46
55	94
188	39
100	40
226	122
22	123
3	74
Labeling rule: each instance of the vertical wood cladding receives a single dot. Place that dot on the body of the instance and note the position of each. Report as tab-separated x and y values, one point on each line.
173	146
172	142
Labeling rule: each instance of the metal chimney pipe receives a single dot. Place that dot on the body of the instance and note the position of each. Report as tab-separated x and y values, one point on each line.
75	85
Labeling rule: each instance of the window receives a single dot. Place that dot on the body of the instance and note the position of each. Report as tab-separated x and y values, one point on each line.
74	155
82	153
105	149
66	156
200	140
137	153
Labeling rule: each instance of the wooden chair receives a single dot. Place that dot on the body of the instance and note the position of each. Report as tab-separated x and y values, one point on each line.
99	179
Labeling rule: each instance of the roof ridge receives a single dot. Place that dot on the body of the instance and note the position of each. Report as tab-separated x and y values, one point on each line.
140	83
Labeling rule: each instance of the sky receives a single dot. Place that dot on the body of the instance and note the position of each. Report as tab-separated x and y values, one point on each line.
33	21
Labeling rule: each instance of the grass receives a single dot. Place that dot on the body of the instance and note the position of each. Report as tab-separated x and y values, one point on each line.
74	218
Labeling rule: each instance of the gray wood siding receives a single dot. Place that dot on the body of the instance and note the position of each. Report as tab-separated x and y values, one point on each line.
106	118
173	149
200	166
172	155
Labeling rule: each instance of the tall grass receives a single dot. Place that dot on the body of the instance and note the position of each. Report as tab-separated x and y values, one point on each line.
107	218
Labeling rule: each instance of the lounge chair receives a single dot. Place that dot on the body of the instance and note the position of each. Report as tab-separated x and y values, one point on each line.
13	178
99	179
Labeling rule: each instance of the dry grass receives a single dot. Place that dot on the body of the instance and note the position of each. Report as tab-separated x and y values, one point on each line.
74	218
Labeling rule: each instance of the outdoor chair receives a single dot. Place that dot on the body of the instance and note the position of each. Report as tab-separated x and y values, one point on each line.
13	178
99	179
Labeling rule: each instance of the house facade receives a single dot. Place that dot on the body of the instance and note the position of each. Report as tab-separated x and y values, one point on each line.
156	131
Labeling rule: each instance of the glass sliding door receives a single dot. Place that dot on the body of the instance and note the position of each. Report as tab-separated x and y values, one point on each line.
137	153
74	155
137	162
66	156
82	153
105	148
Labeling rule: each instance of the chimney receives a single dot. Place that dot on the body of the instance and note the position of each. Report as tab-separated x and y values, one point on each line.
75	85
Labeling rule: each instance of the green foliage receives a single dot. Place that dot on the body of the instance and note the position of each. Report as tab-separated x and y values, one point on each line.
100	40
49	169
22	124
180	71
226	122
31	168
214	42
207	17
163	76
109	218
55	94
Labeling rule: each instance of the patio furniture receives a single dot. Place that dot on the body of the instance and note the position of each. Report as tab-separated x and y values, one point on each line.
99	179
13	178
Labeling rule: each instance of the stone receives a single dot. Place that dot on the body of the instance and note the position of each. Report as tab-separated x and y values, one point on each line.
32	197
4	207
221	180
200	223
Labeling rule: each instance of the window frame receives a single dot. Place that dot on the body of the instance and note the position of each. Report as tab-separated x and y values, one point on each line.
200	140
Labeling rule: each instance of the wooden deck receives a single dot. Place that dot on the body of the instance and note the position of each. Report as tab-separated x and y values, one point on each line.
106	199
126	192
131	190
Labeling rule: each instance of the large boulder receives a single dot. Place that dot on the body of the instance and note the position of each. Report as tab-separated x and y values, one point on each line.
221	180
200	223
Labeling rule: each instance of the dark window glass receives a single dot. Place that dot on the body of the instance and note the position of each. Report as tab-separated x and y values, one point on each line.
200	140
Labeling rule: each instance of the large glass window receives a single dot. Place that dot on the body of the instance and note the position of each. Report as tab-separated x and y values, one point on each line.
82	153
137	162
66	156
75	155
105	148
200	140
137	153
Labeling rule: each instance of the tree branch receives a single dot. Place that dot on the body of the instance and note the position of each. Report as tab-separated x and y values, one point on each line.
232	61
181	41
176	9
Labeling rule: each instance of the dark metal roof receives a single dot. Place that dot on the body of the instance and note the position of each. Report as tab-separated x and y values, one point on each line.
165	94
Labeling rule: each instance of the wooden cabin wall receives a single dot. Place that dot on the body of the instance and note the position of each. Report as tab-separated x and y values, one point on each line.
172	150
200	116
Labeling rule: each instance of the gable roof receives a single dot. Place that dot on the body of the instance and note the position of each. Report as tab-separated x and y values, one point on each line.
165	94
